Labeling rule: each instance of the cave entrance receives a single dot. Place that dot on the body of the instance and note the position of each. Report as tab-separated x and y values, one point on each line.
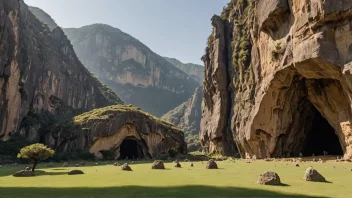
130	148
321	137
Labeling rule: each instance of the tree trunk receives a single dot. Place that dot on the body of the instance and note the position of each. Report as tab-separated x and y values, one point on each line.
34	165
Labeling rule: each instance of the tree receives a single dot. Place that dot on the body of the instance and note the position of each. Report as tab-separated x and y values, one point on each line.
35	152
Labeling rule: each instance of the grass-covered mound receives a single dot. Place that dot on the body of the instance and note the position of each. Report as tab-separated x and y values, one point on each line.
107	112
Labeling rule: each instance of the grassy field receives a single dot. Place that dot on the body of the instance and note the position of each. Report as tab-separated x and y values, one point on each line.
233	179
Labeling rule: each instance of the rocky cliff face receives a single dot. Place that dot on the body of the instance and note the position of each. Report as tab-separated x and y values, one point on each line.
273	68
130	68
119	129
41	77
196	72
187	116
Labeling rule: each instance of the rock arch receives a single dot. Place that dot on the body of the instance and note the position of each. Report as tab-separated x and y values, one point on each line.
113	142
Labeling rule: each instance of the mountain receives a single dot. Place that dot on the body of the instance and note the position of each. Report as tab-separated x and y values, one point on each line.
278	80
187	116
43	16
41	78
137	74
193	70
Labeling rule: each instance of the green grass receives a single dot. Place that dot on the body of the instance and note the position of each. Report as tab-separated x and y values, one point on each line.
106	112
233	179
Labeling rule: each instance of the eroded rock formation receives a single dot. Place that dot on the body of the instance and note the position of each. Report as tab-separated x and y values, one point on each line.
275	71
126	131
40	75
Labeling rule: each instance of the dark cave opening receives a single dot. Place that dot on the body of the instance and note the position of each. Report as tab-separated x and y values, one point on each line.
130	149
321	137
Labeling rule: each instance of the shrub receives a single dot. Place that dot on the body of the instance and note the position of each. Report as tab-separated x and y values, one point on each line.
162	157
108	154
35	152
172	153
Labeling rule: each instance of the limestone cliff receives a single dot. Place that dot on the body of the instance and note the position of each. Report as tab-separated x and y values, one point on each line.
187	116
276	71
41	78
195	71
131	69
109	128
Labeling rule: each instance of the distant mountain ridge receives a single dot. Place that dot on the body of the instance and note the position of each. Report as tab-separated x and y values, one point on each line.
194	70
137	74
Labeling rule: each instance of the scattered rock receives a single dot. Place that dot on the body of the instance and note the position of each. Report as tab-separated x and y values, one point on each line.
75	172
269	178
191	164
297	165
177	165
126	167
212	164
65	164
24	173
77	165
313	175
158	165
27	169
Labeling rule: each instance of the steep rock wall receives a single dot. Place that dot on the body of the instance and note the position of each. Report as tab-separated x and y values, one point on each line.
269	65
40	74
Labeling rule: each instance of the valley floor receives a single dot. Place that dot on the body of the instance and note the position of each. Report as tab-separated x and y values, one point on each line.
232	179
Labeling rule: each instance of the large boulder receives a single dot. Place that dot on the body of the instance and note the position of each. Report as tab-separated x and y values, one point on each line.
24	173
126	167
212	164
75	172
158	165
269	178
313	175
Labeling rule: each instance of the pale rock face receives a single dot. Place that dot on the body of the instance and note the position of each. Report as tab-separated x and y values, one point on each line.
298	65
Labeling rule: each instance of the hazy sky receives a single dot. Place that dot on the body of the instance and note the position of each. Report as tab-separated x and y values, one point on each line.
173	28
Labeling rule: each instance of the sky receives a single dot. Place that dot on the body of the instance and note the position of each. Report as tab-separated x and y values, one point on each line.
172	28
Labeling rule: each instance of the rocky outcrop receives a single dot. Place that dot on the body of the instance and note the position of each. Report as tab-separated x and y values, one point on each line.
275	71
187	116
40	76
131	69
196	72
125	131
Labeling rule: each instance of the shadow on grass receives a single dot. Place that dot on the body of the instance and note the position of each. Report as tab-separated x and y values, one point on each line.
140	192
44	173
